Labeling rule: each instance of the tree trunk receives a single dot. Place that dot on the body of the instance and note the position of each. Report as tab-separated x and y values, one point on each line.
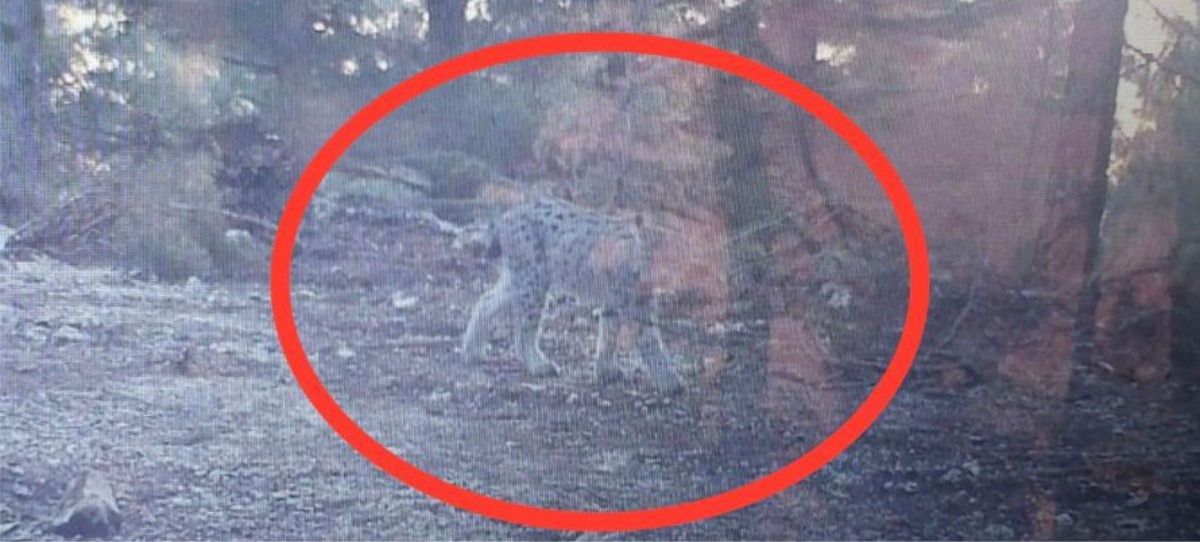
22	190
1065	256
1066	253
748	211
447	27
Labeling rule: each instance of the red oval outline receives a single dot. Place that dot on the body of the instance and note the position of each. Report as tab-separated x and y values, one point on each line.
676	514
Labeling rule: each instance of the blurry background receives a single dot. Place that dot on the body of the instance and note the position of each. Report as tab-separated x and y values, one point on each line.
148	146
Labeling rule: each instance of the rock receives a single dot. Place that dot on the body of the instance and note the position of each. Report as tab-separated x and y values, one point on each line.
89	509
972	467
69	334
836	296
35	333
1132	525
185	364
1064	520
6	233
996	531
8	315
402	301
20	490
1136	501
194	286
953	475
907	487
344	352
238	237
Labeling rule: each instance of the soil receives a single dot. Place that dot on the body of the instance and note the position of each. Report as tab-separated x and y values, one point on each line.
179	394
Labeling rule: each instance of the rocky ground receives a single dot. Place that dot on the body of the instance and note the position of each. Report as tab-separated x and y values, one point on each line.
179	397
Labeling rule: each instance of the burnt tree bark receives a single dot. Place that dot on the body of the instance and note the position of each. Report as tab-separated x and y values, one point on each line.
1095	72
1065	256
22	190
746	202
447	27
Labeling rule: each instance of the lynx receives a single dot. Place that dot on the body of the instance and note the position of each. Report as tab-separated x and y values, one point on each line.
549	247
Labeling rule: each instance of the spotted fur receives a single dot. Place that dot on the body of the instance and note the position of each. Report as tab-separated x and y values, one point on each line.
550	247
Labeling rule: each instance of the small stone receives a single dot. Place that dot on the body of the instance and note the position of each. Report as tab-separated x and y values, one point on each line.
69	334
402	301
953	475
996	531
89	509
1131	524
837	296
35	333
238	237
345	352
8	315
972	467
21	491
1064	520
1136	501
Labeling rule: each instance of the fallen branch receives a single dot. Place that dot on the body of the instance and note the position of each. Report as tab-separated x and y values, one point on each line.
417	342
236	217
958	320
414	179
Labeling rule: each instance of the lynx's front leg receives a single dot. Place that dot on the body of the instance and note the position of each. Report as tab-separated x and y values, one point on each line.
606	363
660	365
530	307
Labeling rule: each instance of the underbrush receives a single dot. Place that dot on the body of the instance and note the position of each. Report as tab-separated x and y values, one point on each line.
161	216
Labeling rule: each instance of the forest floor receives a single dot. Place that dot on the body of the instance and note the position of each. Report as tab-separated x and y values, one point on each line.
179	394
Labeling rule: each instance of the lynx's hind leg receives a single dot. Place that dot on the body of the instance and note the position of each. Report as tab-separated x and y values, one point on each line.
530	307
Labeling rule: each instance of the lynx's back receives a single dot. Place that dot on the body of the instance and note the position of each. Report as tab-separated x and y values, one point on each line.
572	250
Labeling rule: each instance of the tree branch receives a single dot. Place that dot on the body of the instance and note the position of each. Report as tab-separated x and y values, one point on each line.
264	225
1174	23
1152	58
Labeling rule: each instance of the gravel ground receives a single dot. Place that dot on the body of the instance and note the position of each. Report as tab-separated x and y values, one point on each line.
178	393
